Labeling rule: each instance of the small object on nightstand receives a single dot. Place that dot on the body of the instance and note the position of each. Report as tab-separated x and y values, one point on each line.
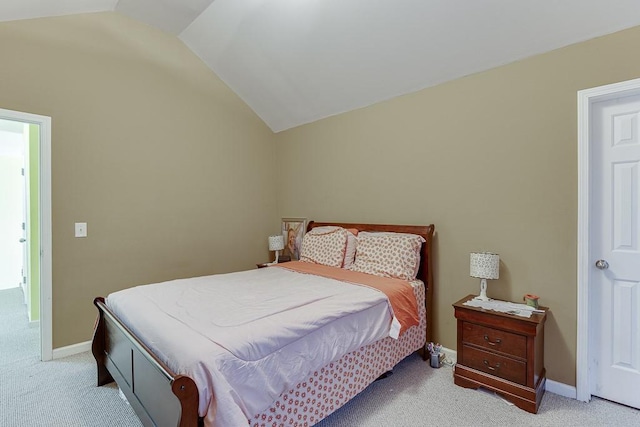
501	352
531	300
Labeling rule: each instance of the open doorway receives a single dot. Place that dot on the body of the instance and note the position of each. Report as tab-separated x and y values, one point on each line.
19	265
12	199
25	226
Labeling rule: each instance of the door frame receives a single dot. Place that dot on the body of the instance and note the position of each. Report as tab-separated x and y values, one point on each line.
586	98
46	309
25	221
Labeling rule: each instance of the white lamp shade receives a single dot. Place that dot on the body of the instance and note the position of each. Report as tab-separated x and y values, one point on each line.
484	265
276	243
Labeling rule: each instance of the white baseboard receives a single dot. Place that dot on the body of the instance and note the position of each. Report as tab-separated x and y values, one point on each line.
554	387
70	350
561	389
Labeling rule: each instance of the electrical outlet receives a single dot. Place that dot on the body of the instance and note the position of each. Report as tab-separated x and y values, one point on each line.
81	229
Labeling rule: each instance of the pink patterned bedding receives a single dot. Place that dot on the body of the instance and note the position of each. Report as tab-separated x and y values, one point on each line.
402	301
179	344
330	387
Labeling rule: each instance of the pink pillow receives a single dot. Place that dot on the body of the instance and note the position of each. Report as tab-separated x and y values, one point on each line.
395	255
324	246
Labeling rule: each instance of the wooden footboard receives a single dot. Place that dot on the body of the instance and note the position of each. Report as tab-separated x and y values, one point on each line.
159	396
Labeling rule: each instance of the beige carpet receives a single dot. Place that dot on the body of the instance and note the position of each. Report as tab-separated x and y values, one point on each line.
63	393
418	395
18	340
57	393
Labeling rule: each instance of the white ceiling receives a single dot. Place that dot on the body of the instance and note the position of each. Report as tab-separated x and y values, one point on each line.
297	61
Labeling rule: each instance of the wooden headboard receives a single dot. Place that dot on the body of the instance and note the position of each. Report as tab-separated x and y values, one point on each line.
425	273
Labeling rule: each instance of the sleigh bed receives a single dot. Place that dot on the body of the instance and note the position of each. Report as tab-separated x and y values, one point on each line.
139	352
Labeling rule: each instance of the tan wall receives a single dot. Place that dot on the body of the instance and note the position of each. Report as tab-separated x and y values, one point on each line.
490	159
171	170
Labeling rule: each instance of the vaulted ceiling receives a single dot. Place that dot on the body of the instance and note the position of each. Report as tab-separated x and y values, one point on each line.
298	61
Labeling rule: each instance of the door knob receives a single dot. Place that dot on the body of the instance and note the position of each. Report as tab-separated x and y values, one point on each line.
23	240
602	264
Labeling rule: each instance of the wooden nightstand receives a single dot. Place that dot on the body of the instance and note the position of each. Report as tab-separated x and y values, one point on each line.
501	352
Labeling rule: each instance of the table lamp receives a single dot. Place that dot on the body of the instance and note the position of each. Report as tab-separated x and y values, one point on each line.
484	265
276	243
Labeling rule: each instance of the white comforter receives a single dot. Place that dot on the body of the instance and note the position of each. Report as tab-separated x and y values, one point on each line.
246	337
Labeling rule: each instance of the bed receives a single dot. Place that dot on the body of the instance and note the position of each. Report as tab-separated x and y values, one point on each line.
161	392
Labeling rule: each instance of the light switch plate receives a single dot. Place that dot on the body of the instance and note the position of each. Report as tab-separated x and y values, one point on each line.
81	229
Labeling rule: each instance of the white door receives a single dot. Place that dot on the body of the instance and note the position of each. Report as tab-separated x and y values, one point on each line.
614	292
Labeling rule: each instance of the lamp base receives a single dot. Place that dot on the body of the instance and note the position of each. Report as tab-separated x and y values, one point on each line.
483	291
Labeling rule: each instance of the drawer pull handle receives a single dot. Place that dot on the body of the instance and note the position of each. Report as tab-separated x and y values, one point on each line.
491	368
486	338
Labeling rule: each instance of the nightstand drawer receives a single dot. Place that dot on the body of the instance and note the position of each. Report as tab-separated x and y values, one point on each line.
494	364
495	339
